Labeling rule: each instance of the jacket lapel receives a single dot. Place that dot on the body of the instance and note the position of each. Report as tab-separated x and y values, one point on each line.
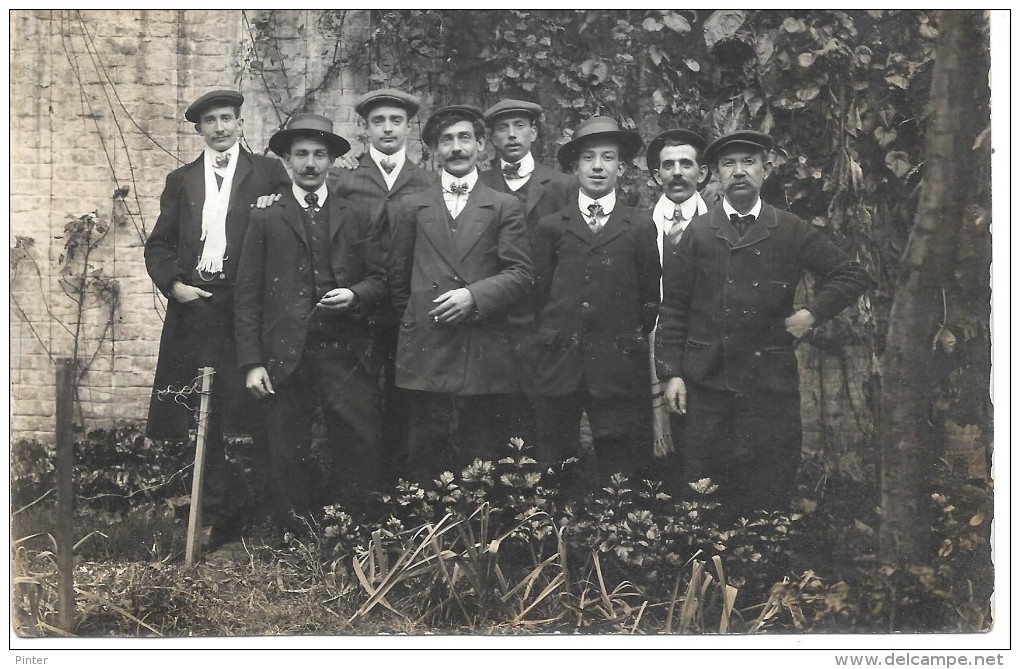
241	172
576	225
536	187
432	222
723	228
368	167
337	206
291	211
760	230
473	222
617	224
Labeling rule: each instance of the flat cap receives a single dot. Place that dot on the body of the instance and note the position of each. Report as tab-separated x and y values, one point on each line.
308	125
508	107
602	127
750	139
225	98
430	133
679	135
387	96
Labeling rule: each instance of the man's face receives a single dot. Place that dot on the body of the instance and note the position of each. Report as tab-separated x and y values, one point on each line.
308	160
387	128
742	171
512	136
678	172
220	127
598	167
458	148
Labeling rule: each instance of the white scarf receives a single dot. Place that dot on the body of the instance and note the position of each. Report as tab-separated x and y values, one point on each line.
214	214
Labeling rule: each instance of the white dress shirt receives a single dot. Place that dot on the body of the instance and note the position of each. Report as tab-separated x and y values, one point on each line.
397	159
664	216
455	201
608	202
299	195
728	208
527	166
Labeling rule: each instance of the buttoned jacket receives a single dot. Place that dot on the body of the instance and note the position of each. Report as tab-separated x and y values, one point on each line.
597	298
274	294
490	255
726	299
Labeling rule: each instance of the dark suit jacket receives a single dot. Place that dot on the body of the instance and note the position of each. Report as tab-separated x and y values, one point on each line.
548	191
274	295
491	256
172	252
726	299
597	300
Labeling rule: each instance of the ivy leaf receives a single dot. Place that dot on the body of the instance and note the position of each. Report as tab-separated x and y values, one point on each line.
884	136
794	25
656	54
809	93
658	101
898	163
764	47
679	24
806	59
898	80
692	65
928	30
723	24
651	25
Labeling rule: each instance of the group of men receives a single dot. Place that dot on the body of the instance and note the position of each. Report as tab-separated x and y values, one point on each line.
416	322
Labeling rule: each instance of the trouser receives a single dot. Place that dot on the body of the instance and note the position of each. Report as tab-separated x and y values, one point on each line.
747	443
328	384
396	416
448	432
621	429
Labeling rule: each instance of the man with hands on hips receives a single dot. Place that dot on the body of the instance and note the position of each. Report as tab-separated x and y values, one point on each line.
727	329
310	282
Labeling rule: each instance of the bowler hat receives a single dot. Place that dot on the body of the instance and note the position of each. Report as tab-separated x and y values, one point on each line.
602	127
750	139
308	125
223	98
678	135
430	133
386	96
510	107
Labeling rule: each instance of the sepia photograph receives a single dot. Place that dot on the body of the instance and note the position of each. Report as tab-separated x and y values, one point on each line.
380	330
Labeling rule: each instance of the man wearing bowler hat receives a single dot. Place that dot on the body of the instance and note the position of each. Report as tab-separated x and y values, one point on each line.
729	326
597	286
310	282
461	276
676	161
513	128
192	256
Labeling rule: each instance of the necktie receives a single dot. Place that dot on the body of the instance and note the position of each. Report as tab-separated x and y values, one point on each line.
594	212
221	160
677	229
313	205
387	165
458	188
512	171
741	223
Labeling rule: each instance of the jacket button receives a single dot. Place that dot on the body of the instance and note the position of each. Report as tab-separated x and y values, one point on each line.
301	292
754	283
434	285
757	354
301	268
223	275
757	252
729	281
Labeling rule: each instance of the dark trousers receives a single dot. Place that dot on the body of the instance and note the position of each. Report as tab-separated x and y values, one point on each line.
448	432
396	416
747	443
621	430
331	386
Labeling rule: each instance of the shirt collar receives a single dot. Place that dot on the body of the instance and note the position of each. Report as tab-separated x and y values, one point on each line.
527	165
729	210
397	158
608	202
299	195
211	153
448	179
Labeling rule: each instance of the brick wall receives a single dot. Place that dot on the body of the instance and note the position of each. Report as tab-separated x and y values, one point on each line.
97	99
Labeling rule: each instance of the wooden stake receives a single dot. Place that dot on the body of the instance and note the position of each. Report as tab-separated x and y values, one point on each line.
198	473
64	466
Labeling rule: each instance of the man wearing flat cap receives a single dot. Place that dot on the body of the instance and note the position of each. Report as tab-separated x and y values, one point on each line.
676	161
461	276
192	256
383	178
729	326
597	295
310	282
513	127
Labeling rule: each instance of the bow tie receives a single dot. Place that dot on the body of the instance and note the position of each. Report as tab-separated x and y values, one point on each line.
387	165
742	223
458	188
221	160
312	199
512	171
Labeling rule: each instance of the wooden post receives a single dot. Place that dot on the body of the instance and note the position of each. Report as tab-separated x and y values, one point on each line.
198	473
64	466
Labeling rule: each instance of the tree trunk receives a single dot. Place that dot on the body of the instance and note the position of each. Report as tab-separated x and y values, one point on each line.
905	433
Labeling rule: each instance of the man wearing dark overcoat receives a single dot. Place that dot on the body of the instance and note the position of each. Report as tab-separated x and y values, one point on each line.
461	276
310	281
597	286
192	256
383	178
729	326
